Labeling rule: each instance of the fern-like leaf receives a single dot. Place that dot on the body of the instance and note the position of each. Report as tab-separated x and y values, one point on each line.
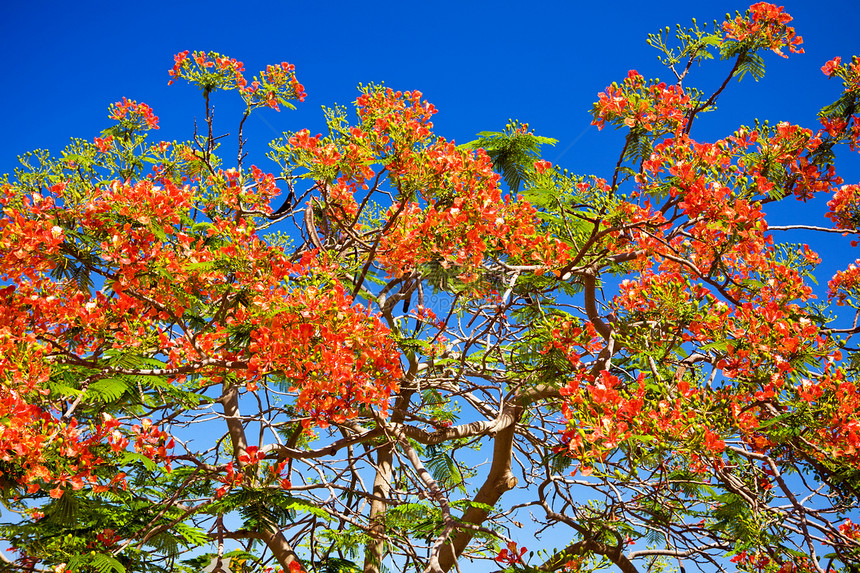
108	389
105	564
845	106
753	64
445	471
513	151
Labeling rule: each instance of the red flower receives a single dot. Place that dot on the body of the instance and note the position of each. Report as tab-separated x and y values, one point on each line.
713	442
541	166
831	67
104	144
510	555
132	111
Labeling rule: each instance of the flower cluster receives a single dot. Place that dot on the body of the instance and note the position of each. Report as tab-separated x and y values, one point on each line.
850	529
764	26
637	104
152	442
275	86
844	284
831	67
840	119
510	555
230	478
845	207
227	73
335	357
451	212
848	72
133	115
542	166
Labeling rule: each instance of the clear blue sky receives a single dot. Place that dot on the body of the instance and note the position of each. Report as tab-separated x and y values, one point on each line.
479	62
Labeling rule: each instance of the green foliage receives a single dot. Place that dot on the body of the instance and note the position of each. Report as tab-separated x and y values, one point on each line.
513	151
845	106
337	565
751	63
446	471
98	562
414	519
260	509
695	44
349	541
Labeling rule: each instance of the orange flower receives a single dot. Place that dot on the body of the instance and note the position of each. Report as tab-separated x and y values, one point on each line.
541	166
831	67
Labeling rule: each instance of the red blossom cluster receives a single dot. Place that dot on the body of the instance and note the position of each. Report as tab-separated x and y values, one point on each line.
542	166
129	112
831	67
764	563
338	359
710	275
510	555
230	478
461	230
840	120
152	442
848	72
105	540
850	529
844	284
637	104
267	89
451	210
275	86
845	207
764	26
104	144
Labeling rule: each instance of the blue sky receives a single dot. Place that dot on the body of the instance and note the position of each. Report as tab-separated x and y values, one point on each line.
479	62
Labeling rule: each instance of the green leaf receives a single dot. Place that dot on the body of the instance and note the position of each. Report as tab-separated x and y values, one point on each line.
132	457
65	385
65	510
753	64
108	389
307	507
106	563
542	197
192	535
466	503
775	420
513	152
844	106
446	471
718	345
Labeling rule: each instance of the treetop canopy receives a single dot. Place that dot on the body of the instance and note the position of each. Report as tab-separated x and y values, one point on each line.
394	350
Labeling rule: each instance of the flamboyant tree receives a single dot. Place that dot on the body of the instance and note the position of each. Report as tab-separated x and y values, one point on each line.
198	355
